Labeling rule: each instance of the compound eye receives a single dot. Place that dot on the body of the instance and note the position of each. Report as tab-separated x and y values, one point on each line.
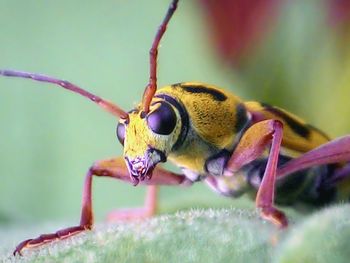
162	120
121	132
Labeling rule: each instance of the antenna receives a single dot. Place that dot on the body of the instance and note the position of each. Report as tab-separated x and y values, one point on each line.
152	85
106	105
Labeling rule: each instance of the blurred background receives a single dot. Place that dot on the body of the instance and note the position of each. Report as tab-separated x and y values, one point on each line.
294	54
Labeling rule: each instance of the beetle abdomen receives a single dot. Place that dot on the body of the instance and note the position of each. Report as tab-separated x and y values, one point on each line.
297	134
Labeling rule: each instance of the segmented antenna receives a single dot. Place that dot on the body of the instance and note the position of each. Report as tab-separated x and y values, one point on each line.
106	105
152	85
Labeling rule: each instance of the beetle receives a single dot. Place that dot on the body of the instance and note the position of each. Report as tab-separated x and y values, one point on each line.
232	145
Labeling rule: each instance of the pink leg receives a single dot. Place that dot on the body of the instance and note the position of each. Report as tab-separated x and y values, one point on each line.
111	168
86	221
341	174
334	151
148	210
251	146
265	196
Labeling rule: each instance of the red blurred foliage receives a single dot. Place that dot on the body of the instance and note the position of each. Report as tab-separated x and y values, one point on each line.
339	12
238	26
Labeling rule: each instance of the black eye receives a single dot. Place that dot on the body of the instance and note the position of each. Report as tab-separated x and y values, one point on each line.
121	132
162	120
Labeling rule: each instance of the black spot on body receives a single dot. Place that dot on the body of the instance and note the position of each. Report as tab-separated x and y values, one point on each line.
311	127
217	95
241	118
296	126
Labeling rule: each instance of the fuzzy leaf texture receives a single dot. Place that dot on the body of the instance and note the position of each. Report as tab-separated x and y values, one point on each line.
209	235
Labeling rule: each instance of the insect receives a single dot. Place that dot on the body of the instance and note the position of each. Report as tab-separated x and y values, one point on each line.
215	137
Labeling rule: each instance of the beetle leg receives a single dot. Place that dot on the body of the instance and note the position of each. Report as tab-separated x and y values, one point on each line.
334	151
340	174
149	209
114	168
265	195
252	144
86	221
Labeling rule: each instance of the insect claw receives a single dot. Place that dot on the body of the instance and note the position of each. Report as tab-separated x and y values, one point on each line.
135	180
20	247
17	252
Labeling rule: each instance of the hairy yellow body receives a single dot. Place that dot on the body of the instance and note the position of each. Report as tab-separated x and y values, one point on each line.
218	129
217	118
208	133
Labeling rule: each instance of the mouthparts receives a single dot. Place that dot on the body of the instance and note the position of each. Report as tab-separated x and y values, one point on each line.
141	168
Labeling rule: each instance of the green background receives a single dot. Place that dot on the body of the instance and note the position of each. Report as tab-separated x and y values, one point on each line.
50	137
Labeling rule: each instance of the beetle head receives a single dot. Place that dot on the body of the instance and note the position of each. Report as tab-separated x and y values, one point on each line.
148	138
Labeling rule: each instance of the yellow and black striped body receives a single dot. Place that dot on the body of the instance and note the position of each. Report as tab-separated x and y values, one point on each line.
211	123
217	119
298	136
213	117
